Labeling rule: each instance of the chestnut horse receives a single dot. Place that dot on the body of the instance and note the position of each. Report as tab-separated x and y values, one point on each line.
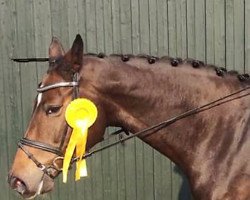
211	146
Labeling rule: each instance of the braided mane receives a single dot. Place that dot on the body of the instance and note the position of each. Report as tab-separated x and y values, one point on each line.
220	71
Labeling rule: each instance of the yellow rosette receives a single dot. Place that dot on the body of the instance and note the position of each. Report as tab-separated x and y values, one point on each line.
80	115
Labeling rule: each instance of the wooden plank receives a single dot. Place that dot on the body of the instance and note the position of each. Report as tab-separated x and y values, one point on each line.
90	26
219	32
181	29
210	46
10	93
59	21
153	27
113	162
199	22
125	26
81	14
135	27
4	158
43	35
247	36
190	29
100	37
144	26
106	172
239	35
121	173
229	34
108	25
172	28
116	29
73	27
162	27
166	178
162	177
25	48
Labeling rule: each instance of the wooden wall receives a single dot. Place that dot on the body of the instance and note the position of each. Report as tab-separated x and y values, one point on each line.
215	31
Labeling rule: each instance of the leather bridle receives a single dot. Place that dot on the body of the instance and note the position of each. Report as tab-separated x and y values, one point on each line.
53	167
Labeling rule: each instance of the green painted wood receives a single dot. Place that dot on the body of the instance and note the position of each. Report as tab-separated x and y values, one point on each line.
210	38
172	28
135	34
181	28
144	26
153	27
219	32
4	161
42	23
191	29
199	29
229	35
239	35
214	31
162	27
246	36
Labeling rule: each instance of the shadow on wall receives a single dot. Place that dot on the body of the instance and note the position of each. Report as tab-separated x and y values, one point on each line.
185	193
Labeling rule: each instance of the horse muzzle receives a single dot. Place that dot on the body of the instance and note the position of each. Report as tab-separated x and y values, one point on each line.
21	187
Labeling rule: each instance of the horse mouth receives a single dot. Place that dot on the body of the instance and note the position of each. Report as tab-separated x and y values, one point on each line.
25	192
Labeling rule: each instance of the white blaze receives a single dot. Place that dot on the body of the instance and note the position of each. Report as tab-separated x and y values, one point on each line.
39	99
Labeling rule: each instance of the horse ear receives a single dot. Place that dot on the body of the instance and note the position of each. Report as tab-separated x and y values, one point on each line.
76	52
55	48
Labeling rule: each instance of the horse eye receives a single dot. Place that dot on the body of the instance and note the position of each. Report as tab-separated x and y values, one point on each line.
53	110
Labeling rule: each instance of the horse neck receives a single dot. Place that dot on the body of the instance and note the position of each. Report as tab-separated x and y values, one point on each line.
138	95
142	89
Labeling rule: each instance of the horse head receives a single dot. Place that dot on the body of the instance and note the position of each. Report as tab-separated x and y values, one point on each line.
39	157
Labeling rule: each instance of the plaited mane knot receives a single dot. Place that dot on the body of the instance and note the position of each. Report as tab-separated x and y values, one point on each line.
243	77
220	71
175	61
152	59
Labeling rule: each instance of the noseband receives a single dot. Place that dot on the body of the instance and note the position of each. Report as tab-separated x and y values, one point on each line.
48	169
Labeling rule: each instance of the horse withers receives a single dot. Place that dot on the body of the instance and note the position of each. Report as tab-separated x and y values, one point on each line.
211	144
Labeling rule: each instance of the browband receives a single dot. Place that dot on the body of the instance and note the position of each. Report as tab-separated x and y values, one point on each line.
56	85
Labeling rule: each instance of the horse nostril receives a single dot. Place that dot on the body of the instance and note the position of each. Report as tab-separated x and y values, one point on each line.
17	184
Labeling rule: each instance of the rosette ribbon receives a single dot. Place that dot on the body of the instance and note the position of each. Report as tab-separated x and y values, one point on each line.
80	114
